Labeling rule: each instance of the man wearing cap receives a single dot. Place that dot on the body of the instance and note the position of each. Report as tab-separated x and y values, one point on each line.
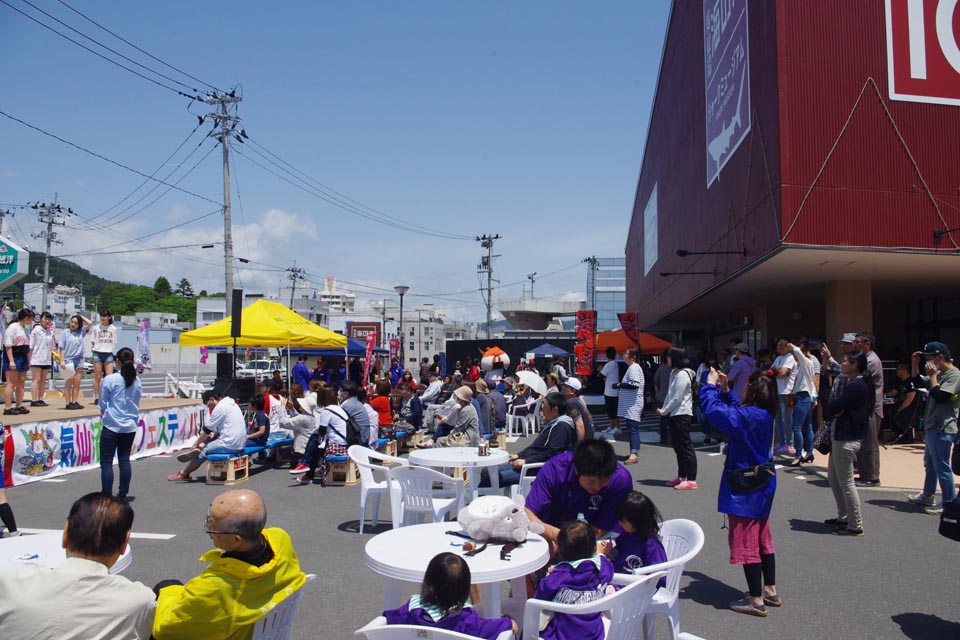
868	460
942	378
743	365
577	408
466	430
499	404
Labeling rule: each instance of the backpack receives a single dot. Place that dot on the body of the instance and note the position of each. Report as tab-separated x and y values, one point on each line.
353	429
694	387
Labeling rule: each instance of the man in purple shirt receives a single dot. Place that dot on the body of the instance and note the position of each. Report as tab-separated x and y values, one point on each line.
585	484
743	365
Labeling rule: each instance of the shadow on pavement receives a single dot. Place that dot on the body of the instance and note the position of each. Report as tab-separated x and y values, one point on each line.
649	482
810	526
921	626
353	526
901	506
709	591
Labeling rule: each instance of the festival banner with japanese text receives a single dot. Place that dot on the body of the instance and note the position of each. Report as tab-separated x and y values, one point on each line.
585	349
39	450
368	360
630	327
395	349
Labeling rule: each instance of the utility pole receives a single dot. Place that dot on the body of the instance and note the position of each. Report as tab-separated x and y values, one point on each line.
3	214
532	277
50	215
296	274
486	266
592	279
383	326
225	127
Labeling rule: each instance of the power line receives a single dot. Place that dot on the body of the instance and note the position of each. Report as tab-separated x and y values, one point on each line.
324	187
150	235
176	246
100	55
104	158
146	53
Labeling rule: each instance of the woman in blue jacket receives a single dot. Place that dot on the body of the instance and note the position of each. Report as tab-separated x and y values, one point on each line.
749	429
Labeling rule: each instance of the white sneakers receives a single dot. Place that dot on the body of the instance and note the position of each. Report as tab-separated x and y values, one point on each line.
922	499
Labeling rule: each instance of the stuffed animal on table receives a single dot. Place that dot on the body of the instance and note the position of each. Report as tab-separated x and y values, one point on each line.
497	519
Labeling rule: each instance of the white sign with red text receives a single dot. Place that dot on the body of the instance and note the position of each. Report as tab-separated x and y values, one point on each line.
923	55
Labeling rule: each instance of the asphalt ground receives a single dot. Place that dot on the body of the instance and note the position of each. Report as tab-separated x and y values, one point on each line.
899	580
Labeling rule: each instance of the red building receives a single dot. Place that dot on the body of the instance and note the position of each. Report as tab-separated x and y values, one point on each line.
801	167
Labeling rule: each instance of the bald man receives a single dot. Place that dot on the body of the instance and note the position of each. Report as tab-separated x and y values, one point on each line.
252	570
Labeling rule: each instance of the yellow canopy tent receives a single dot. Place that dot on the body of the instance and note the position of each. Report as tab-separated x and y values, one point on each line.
265	324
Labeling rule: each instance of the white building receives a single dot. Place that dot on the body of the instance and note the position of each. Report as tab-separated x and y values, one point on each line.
210	310
158	319
62	301
337	302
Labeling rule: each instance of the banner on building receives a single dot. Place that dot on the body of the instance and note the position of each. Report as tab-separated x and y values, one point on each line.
585	349
630	327
395	349
726	64
143	345
368	360
360	331
40	450
923	51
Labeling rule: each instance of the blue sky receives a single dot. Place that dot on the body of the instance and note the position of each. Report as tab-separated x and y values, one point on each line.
523	119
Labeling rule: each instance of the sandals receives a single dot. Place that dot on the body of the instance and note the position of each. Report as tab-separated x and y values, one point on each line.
743	605
632	459
774	601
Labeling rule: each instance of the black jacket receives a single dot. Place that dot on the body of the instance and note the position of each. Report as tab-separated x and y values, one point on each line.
856	405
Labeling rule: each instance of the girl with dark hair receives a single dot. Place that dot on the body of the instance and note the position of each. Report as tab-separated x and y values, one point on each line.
678	405
630	402
381	402
71	359
748	498
442	602
119	412
104	342
639	545
41	358
579	577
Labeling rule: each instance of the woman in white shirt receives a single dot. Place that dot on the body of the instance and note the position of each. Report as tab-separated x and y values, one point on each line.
333	422
104	344
630	405
41	358
678	405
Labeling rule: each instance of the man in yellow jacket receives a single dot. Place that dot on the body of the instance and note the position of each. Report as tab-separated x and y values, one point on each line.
250	572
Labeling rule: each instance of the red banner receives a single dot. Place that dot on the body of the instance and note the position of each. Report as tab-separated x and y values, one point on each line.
629	323
395	349
371	343
585	349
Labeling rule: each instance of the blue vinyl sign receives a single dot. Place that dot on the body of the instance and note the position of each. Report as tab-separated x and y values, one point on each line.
726	61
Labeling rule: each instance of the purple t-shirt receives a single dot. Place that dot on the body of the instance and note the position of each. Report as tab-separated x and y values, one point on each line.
468	621
634	552
581	582
557	497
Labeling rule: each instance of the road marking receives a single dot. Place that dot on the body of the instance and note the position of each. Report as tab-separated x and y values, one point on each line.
54	480
136	534
801	477
778	466
712	455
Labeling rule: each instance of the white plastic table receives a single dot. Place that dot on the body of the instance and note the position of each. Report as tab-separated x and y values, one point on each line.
402	555
467	457
46	549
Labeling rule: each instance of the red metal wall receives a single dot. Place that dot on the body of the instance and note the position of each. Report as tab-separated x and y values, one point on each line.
870	193
742	209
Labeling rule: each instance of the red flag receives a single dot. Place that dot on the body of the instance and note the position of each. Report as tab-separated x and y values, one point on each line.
629	323
371	341
585	349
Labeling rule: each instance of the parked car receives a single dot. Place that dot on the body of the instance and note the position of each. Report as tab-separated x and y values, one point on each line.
260	369
88	365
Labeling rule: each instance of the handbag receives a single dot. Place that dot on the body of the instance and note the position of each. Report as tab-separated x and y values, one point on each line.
750	479
821	440
949	525
955	458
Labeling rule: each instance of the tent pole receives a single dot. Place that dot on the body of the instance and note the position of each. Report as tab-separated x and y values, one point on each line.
288	369
176	391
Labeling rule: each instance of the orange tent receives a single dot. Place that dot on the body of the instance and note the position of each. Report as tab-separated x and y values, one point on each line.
619	341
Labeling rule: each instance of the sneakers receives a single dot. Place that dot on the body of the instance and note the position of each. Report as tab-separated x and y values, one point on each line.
867	483
922	499
616	432
304	479
675	482
12	534
743	605
179	476
22	410
686	485
632	459
843	531
835	522
300	469
934	510
190	454
10	412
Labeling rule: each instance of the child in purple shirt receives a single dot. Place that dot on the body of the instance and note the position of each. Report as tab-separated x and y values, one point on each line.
581	576
639	545
442	602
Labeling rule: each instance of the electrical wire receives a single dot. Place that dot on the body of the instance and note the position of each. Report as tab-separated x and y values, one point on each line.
243	218
104	158
146	53
106	253
299	183
150	235
100	55
155	172
324	187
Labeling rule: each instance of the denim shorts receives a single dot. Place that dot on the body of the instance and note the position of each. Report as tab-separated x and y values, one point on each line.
75	362
102	357
21	362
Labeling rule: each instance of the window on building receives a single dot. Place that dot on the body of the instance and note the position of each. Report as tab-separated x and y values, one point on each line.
413	345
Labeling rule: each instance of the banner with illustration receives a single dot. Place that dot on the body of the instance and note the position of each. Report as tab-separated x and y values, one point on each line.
143	345
40	450
585	349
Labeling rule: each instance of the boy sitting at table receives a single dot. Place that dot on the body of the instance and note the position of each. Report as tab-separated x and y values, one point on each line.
442	602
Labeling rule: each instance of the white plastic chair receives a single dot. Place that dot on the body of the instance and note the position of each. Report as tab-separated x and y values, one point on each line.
418	497
370	486
277	624
514	422
626	608
378	629
526	479
682	540
534	421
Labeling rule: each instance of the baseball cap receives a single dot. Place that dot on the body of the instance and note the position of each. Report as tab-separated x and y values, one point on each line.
743	348
573	383
849	338
936	349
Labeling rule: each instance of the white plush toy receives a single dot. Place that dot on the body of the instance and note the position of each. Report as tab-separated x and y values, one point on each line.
497	518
